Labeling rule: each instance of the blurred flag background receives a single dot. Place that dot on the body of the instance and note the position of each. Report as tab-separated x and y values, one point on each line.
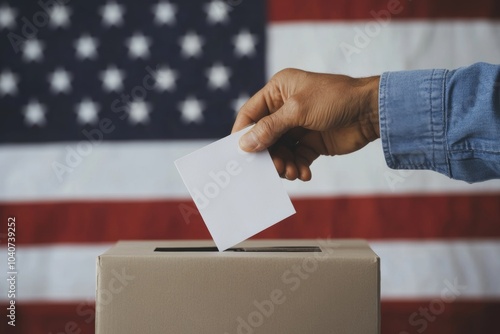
97	99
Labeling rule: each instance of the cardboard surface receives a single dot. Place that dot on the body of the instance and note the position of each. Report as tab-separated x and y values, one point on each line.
255	288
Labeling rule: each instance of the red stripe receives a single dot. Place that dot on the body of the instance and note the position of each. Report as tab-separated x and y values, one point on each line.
463	317
412	217
434	316
327	10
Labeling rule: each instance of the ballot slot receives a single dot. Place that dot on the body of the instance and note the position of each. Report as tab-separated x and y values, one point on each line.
276	249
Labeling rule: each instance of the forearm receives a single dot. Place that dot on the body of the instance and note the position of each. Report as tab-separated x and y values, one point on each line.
446	121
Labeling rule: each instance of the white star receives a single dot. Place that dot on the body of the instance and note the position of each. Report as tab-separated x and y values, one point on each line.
191	44
138	112
239	102
244	44
60	81
191	110
164	13
8	83
87	112
112	79
165	78
112	14
217	11
59	16
138	46
218	76
86	47
7	17
34	114
32	50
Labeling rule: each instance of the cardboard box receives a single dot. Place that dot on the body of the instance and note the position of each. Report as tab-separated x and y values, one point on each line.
273	286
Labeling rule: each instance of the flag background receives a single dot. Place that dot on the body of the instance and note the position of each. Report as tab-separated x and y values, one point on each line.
429	231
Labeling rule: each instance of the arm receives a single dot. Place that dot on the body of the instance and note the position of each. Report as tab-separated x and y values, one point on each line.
446	121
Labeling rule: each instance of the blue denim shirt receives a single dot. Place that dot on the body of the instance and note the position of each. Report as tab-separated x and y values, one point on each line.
446	121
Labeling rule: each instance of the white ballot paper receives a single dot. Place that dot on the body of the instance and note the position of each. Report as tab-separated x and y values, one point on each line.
237	193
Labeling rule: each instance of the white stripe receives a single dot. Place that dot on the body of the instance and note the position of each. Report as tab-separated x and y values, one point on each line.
423	269
131	170
54	273
145	170
401	45
408	270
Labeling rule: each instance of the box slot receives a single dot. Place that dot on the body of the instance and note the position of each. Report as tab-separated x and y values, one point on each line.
277	249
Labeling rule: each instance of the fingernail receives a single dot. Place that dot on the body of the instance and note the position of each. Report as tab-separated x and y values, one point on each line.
249	142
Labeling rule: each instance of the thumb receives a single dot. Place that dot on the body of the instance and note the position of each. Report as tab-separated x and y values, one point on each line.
266	132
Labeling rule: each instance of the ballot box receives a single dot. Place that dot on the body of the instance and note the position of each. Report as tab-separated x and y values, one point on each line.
261	286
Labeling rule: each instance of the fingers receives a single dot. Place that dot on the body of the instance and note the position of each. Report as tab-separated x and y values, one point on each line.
280	155
304	157
270	128
253	110
296	159
293	162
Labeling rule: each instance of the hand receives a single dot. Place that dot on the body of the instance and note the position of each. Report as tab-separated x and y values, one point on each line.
301	115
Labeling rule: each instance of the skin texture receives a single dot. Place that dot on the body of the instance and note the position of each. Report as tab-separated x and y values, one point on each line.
301	115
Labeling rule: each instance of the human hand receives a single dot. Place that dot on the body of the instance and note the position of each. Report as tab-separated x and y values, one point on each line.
301	115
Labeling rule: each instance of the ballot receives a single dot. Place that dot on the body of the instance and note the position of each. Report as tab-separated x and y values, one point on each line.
238	194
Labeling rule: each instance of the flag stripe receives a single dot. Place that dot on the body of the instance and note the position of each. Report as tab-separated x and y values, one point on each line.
345	10
460	317
363	49
409	270
145	170
370	217
423	269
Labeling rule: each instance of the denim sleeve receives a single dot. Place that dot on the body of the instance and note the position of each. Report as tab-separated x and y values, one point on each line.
446	121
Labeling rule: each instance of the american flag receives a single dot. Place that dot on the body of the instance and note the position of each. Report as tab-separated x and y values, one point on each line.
98	98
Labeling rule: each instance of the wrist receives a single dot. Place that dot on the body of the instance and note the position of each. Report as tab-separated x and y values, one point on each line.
370	112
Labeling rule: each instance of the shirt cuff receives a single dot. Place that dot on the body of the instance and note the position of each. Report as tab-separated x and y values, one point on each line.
412	119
